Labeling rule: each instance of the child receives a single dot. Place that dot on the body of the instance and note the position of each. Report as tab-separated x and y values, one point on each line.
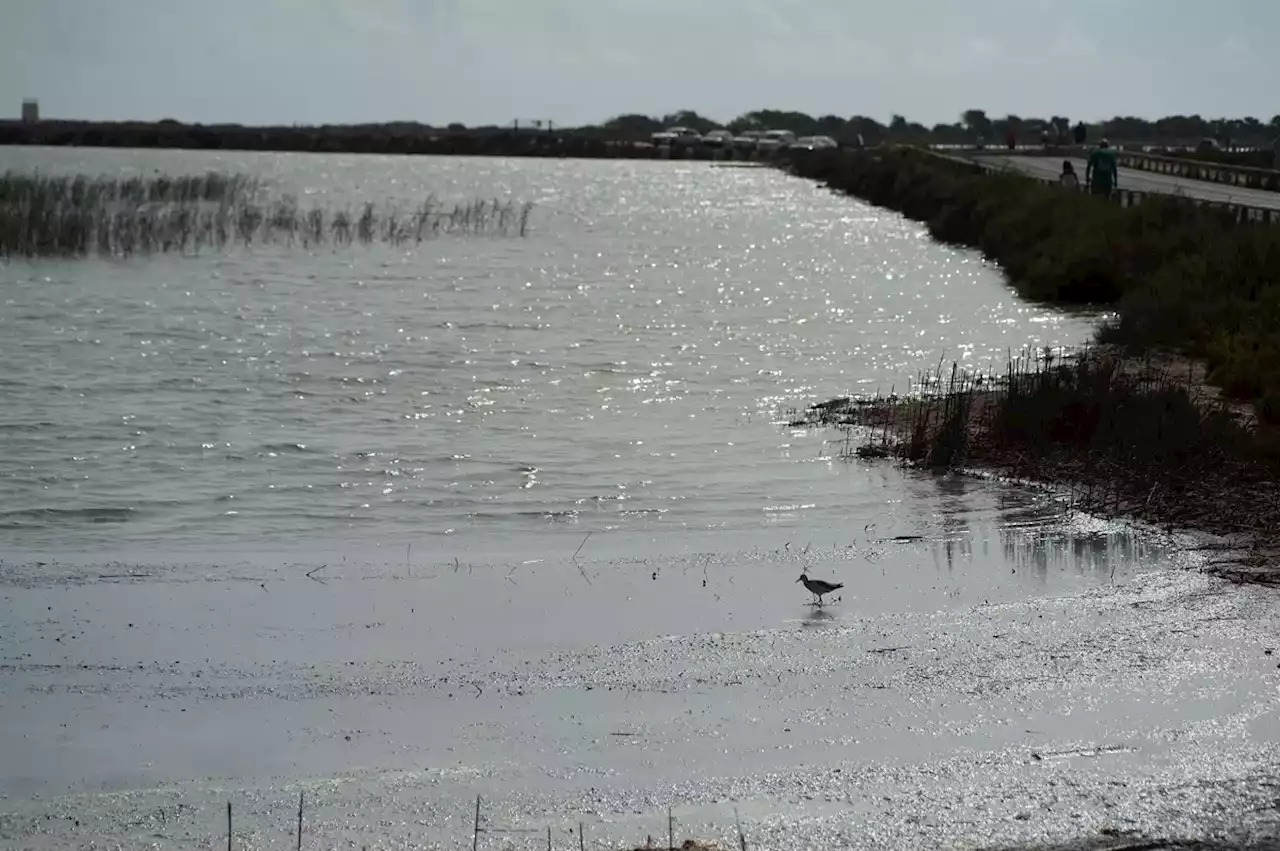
1069	179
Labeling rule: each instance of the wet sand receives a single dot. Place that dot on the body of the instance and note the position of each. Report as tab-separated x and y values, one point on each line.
982	683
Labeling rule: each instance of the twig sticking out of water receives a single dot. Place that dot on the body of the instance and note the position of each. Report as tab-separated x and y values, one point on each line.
575	558
580	546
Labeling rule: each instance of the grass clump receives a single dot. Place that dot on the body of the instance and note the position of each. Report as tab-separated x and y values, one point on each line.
78	216
1181	276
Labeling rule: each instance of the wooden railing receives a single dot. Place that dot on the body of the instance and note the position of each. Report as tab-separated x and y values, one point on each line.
1242	213
1246	177
1235	175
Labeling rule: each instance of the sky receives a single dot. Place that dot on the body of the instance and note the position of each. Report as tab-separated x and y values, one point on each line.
584	61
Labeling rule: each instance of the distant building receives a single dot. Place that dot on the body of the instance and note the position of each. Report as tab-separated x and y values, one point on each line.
30	111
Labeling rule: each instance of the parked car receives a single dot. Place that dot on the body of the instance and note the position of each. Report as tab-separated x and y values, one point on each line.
814	143
747	139
718	139
774	140
677	137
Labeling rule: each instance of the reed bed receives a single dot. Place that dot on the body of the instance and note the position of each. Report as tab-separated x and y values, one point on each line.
1140	437
76	217
42	190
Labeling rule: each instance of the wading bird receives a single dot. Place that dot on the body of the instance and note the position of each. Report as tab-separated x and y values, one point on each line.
819	587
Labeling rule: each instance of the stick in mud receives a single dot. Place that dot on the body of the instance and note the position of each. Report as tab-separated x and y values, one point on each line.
580	546
582	842
548	837
671	831
575	558
228	826
475	837
742	837
301	796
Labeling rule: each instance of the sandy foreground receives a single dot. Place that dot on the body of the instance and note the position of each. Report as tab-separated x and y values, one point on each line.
978	686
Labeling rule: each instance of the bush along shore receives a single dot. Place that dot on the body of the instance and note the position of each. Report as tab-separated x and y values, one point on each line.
1172	417
79	216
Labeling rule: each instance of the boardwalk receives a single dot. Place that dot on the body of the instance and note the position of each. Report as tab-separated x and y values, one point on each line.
1145	181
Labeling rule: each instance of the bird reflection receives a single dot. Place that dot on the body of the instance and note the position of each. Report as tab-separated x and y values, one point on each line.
818	618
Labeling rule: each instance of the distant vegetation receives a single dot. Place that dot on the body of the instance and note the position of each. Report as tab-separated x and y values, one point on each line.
1182	277
620	136
973	123
84	216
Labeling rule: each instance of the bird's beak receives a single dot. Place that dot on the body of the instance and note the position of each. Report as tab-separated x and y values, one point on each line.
797	580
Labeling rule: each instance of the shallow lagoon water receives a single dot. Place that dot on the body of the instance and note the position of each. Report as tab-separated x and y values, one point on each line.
623	367
521	518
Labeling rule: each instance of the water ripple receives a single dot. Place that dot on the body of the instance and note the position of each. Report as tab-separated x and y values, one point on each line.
651	330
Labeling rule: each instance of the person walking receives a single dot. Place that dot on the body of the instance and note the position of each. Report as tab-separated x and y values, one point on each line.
1069	179
1101	173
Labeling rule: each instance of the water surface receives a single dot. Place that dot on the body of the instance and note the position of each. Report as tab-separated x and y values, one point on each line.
625	366
522	518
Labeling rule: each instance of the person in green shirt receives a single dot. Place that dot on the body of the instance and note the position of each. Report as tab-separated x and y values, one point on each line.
1101	172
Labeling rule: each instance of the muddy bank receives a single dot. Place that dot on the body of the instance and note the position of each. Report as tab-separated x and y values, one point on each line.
1140	436
973	685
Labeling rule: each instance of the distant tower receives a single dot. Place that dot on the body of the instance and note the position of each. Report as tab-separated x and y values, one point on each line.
30	111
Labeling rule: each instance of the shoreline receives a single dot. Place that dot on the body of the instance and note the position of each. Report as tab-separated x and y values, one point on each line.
1171	416
364	695
409	140
1072	423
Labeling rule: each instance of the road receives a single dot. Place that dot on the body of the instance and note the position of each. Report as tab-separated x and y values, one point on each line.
1146	181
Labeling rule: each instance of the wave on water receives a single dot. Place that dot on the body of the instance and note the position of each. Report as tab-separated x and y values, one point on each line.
27	517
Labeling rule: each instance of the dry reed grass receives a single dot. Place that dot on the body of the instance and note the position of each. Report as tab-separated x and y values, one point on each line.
77	216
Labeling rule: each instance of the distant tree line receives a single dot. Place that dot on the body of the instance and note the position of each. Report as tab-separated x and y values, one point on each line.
616	136
973	123
391	138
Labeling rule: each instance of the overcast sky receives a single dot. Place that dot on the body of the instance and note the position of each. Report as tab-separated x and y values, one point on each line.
582	61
